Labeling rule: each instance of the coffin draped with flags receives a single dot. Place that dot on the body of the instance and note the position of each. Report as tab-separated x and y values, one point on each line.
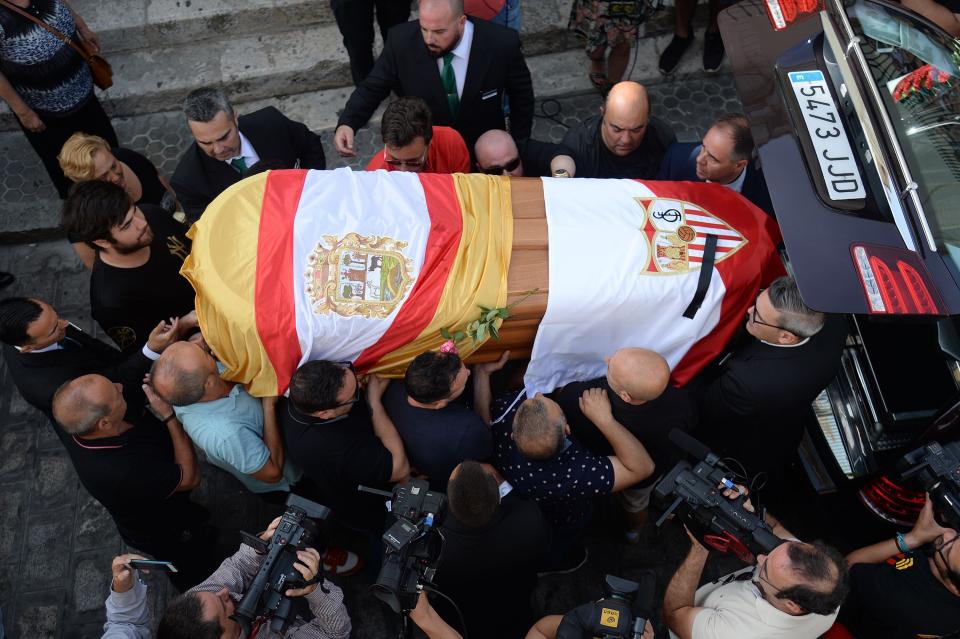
368	267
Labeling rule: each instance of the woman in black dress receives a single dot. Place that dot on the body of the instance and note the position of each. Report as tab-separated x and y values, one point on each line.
89	157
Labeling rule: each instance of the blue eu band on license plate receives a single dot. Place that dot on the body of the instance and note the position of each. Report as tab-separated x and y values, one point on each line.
835	158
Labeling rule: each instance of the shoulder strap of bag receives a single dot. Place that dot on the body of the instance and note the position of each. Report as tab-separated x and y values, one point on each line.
32	18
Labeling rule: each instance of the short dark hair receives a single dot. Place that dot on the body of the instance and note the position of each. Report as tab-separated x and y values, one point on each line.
430	376
183	619
187	387
203	104
404	120
16	315
536	436
739	128
473	495
92	209
817	563
315	385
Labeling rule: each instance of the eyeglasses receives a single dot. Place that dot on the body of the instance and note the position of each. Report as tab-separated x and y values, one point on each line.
356	395
755	316
500	170
411	163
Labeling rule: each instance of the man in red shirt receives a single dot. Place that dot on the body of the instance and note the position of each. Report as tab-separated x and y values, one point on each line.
411	143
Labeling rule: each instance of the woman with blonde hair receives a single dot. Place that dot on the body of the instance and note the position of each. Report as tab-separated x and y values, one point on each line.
89	157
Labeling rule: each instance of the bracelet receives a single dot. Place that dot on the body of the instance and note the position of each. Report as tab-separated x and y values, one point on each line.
902	543
168	418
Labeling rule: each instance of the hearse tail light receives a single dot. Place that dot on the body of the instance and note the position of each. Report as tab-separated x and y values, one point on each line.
895	282
783	13
891	501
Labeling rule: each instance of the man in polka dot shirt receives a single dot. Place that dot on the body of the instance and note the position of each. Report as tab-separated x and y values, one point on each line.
535	453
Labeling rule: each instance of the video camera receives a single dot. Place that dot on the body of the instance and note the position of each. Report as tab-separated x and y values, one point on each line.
694	494
413	545
613	616
937	468
264	598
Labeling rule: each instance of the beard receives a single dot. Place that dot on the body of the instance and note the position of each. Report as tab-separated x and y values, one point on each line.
439	53
126	249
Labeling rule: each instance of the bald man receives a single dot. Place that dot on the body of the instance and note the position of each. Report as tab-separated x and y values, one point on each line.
642	399
498	153
239	433
141	473
623	141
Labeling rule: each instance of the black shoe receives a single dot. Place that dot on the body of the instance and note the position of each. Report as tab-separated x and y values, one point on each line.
6	279
671	56
712	51
576	557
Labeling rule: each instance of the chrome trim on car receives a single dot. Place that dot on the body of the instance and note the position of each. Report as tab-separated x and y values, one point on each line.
852	39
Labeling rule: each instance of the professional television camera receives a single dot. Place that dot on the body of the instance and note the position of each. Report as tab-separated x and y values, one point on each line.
694	493
621	614
937	468
413	545
264	598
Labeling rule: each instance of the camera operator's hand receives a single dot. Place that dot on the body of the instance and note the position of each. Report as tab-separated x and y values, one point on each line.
124	575
308	565
775	526
733	493
267	535
595	405
926	529
430	622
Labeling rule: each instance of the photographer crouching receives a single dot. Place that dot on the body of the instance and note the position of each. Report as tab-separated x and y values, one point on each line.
207	611
793	592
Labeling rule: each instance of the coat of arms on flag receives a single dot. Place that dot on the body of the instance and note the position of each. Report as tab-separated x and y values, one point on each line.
358	275
677	230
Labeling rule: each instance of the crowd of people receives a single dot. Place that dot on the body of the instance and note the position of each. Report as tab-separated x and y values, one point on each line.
523	475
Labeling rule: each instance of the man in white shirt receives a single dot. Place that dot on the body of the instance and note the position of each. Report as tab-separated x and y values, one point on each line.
794	592
725	156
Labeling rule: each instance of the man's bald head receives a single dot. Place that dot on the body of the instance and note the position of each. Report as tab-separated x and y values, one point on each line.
180	375
626	113
82	404
637	375
496	148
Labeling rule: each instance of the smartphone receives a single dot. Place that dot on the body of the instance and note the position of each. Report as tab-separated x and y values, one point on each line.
153	564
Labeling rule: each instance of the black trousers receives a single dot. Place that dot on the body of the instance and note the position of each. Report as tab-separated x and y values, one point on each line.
355	20
90	118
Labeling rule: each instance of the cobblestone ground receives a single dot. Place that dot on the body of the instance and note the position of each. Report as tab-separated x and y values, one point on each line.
56	542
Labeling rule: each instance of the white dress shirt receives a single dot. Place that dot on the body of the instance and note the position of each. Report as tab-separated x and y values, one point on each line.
247	152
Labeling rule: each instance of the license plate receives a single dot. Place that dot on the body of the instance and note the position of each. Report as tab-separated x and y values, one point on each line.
830	143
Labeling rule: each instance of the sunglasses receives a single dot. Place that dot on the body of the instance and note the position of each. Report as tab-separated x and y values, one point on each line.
411	163
500	170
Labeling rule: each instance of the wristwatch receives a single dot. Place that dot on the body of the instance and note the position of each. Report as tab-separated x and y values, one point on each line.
561	173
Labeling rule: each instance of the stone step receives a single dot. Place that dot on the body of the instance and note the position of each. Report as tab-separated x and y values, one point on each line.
125	25
300	58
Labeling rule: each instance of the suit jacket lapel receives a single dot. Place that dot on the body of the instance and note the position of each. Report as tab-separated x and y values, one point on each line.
220	175
428	69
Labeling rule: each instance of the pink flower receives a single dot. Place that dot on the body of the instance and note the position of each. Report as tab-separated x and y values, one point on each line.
449	346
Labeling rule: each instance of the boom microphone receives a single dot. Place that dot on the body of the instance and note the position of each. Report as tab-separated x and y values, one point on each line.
691	446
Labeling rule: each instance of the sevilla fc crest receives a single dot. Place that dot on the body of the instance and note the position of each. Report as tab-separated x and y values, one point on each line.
676	232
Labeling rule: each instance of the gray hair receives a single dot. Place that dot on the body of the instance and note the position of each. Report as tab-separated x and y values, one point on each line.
74	410
536	436
186	385
795	316
203	105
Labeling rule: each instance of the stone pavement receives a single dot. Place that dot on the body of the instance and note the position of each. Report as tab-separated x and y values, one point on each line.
56	543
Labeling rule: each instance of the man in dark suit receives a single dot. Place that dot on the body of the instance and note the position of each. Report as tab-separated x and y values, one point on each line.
430	59
42	351
225	146
725	156
754	404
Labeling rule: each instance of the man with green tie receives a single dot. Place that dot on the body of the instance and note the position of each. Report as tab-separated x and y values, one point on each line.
430	59
227	145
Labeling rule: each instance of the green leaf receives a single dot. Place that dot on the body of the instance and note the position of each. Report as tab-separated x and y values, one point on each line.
473	326
445	334
459	335
494	333
503	313
491	315
482	332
